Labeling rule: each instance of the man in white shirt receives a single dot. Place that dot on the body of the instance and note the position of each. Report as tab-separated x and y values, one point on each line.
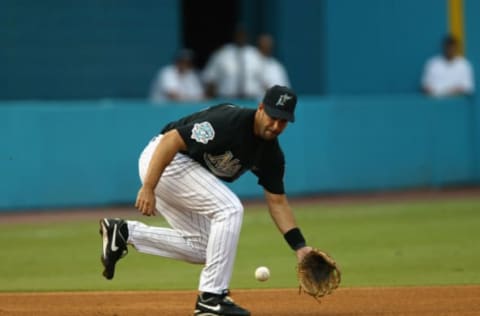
178	82
272	71
233	71
448	74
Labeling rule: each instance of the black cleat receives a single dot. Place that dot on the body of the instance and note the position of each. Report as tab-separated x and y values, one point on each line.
218	305
114	233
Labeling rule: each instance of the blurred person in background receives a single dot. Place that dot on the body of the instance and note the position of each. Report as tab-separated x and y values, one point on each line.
272	71
178	81
233	71
448	74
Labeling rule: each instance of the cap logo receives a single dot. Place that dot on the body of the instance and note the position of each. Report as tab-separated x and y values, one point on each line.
282	99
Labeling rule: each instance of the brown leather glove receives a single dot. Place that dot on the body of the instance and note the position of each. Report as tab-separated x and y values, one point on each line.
318	274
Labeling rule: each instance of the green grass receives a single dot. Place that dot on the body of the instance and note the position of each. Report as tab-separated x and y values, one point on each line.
389	244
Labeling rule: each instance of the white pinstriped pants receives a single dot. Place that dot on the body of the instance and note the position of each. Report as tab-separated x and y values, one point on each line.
205	218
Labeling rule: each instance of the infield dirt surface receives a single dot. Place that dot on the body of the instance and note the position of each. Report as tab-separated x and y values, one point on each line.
424	301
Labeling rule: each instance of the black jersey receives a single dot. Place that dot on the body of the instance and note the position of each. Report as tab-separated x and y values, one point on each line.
221	139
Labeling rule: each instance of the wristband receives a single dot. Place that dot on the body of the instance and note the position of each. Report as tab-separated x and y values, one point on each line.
295	238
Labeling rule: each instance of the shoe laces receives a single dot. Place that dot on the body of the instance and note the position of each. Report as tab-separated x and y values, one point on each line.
226	297
223	297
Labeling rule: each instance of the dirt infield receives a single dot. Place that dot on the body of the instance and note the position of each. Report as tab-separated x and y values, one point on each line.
424	301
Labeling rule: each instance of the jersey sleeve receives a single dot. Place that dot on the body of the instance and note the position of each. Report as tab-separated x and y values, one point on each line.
198	135
204	133
271	169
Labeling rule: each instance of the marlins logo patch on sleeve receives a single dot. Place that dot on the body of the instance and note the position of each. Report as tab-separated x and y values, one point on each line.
203	132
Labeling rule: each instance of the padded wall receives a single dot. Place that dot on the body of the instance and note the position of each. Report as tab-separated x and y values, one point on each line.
58	49
55	154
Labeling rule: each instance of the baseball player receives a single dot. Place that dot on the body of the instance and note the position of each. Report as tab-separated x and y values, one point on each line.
182	170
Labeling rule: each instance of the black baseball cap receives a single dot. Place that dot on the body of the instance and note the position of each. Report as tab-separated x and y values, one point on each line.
280	103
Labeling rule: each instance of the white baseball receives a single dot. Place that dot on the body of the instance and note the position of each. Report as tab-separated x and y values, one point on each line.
262	274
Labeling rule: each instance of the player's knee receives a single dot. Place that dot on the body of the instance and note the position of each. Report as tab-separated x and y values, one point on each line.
202	258
229	212
234	208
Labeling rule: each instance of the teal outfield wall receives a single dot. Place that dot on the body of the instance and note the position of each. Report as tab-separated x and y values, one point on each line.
69	154
378	46
355	47
472	26
86	49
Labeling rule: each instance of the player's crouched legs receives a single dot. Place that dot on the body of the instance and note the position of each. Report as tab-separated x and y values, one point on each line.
167	242
225	229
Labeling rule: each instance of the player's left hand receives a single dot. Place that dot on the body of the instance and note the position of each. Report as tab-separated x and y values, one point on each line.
302	252
318	274
145	202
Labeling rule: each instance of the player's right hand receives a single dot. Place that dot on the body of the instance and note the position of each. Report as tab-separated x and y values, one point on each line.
145	202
